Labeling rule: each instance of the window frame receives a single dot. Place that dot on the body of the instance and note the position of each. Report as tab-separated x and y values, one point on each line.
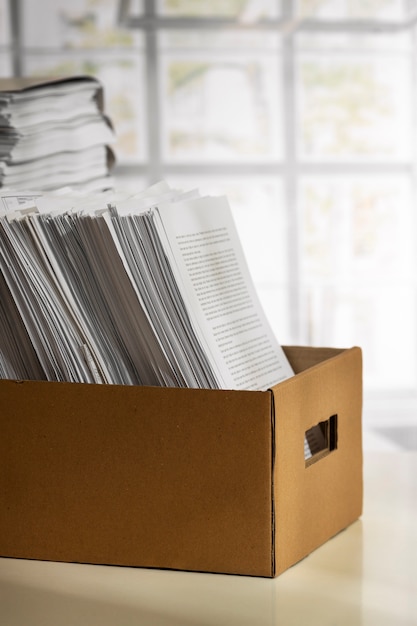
291	168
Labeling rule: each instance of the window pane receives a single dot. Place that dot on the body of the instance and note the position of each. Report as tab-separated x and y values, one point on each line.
219	8
357	271
355	106
220	102
5	65
77	24
381	321
123	104
353	9
358	229
354	43
5	35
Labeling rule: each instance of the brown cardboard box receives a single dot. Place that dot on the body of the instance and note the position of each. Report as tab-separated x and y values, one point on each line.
202	480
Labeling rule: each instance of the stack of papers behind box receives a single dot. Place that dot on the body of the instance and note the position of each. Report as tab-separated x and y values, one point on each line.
53	133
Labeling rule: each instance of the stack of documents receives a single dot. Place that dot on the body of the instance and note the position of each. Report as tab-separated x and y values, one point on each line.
54	134
149	289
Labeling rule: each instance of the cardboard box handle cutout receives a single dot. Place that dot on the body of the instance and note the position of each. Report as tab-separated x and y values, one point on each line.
321	439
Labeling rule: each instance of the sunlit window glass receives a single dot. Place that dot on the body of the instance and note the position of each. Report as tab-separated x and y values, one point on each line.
354	106
357	278
76	24
246	9
5	65
354	9
357	228
221	101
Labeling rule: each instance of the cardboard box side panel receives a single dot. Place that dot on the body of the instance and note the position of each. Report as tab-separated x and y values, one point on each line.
314	503
138	476
304	357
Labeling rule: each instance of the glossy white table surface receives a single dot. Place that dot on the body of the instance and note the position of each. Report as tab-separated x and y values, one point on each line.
366	575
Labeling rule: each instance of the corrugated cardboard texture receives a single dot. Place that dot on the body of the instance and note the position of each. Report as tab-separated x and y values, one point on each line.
177	478
153	477
302	358
314	503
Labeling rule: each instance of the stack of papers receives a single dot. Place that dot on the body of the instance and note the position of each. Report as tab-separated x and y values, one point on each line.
149	289
54	134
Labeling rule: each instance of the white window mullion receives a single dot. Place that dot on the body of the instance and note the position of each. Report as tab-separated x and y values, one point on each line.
290	183
153	105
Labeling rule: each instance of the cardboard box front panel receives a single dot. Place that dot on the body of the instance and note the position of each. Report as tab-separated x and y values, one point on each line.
150	477
178	478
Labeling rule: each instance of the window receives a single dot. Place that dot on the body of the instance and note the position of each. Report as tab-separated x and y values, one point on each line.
302	113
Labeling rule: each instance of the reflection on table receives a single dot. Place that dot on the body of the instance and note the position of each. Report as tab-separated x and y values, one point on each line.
365	575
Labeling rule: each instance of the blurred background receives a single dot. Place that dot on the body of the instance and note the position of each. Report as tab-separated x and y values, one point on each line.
303	112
